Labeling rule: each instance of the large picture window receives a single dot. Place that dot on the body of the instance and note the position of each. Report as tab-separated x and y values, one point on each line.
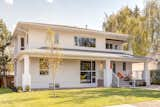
44	67
88	74
85	42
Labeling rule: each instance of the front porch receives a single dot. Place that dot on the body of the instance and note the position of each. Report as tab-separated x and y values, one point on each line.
75	72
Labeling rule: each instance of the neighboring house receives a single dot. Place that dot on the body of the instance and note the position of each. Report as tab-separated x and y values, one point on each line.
91	58
154	64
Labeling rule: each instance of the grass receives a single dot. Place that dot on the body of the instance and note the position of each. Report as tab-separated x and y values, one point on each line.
93	97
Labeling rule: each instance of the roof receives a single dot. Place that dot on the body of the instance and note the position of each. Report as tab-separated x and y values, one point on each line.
29	25
82	54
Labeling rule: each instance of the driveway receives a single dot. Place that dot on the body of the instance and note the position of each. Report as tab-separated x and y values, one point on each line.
141	104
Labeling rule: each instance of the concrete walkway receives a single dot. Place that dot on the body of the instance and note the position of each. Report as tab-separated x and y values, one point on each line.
155	103
151	87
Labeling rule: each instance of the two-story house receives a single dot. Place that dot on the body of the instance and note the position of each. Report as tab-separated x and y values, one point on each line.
91	58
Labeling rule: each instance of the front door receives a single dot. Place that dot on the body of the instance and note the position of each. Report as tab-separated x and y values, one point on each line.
114	67
100	81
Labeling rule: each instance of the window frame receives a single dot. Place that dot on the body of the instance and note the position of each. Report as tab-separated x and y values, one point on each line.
124	66
88	42
116	47
91	72
22	43
56	38
43	69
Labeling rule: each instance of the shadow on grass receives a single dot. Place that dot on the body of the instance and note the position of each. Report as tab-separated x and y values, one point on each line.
5	90
19	100
83	95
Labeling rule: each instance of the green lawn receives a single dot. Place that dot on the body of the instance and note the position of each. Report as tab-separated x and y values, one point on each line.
93	97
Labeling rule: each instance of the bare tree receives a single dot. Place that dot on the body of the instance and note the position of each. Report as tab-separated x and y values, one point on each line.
55	55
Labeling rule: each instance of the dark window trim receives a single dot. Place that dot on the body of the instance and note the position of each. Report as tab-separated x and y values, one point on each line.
85	42
124	66
22	43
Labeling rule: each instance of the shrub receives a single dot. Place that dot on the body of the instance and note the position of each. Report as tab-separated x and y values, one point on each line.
19	89
139	83
155	77
27	88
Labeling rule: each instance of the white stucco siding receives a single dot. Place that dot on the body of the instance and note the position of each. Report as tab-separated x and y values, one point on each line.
37	80
68	75
140	66
37	39
119	67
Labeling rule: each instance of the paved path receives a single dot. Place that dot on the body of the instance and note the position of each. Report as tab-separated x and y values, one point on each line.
141	104
151	87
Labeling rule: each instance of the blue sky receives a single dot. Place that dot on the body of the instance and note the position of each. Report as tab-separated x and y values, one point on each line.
65	12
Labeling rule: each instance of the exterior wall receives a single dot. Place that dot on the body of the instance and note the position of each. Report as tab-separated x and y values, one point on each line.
119	67
68	75
18	74
140	66
138	69
66	39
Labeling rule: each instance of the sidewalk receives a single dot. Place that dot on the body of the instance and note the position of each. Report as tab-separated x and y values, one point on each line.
155	103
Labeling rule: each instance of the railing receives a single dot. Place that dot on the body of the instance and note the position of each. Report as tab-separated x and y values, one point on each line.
115	80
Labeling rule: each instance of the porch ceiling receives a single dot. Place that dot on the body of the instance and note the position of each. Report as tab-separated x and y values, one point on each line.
70	54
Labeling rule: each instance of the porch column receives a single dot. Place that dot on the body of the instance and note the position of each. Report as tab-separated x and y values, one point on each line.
146	74
107	75
26	78
16	74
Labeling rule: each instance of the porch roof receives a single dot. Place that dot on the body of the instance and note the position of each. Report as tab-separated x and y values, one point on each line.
83	54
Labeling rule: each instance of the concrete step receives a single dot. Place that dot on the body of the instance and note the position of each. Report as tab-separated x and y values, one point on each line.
123	83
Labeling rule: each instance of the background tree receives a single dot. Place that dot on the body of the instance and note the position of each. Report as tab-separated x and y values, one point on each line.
55	55
5	39
128	21
152	14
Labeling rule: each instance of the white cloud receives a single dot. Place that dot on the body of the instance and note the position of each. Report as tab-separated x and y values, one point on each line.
49	1
10	2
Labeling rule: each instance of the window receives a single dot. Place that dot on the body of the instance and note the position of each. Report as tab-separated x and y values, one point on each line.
88	74
56	38
76	40
43	66
85	42
22	43
124	66
109	46
116	47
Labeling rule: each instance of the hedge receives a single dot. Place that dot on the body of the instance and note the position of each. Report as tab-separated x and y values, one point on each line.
155	76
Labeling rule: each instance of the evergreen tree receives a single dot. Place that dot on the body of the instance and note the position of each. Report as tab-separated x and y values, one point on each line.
128	21
5	38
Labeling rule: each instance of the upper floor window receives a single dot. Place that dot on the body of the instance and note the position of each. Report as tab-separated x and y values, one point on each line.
85	42
116	47
43	65
109	46
56	38
22	43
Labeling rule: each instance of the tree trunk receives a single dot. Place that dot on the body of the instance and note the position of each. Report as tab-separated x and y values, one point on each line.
4	73
4	82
